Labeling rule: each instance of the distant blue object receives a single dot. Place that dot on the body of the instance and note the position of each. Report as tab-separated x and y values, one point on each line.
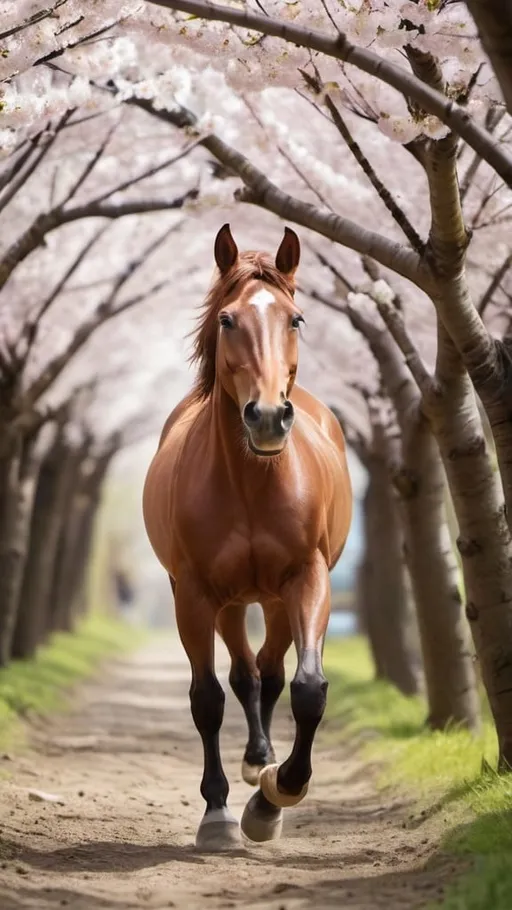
341	624
343	574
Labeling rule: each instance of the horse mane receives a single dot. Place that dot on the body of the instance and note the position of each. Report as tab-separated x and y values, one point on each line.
248	265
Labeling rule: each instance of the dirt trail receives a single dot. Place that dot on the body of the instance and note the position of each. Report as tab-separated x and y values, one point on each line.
127	763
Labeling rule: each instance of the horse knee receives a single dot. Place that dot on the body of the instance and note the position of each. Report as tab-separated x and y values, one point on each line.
207	701
308	697
287	784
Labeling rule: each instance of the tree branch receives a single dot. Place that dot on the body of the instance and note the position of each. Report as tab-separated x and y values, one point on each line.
291	162
494	284
49	221
493	118
20	156
91	164
46	13
104	311
30	329
150	172
18	181
457	118
382	295
261	191
382	191
448	242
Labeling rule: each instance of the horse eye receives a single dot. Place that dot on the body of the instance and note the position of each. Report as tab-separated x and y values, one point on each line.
296	321
226	321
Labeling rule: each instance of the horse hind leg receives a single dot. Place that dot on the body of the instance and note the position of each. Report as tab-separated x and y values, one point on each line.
244	678
195	616
261	820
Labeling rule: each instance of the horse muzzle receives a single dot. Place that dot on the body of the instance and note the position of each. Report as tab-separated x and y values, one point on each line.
267	427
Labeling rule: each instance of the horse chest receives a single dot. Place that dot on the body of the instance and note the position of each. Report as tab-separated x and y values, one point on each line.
247	567
245	558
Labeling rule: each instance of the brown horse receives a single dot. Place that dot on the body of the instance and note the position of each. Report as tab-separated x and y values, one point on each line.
248	498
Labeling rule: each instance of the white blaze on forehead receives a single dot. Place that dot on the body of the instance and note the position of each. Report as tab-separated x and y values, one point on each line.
261	299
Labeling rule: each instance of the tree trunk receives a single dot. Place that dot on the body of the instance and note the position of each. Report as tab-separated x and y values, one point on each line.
445	638
386	608
66	570
54	489
495	391
71	598
80	594
484	542
449	673
367	607
18	478
73	557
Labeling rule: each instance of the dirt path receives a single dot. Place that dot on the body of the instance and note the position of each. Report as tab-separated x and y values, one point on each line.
127	763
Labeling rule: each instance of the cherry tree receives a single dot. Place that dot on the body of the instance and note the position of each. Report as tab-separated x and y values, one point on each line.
389	90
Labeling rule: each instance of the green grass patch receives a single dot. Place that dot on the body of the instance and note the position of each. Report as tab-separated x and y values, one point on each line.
449	773
41	685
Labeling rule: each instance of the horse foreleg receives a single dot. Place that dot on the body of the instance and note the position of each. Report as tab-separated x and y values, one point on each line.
245	681
307	601
195	616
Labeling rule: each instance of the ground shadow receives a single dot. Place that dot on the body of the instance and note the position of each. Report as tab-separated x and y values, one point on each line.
48	899
104	856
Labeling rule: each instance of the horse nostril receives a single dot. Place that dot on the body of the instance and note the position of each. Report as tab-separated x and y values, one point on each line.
288	415
252	413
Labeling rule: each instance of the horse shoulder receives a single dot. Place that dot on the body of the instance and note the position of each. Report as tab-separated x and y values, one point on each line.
184	412
321	414
337	484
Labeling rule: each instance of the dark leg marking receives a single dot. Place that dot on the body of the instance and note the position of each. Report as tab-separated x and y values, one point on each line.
308	697
248	689
207	704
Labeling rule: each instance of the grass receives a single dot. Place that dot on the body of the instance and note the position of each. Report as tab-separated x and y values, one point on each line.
41	685
449	773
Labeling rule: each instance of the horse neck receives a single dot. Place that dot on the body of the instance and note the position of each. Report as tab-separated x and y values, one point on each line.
225	424
227	435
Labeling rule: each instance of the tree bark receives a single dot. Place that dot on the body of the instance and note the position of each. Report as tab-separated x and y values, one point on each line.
385	607
54	488
67	567
445	641
383	596
367	607
493	19
18	478
484	540
70	594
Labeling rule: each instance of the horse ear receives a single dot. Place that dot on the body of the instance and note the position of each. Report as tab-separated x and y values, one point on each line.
226	250
288	254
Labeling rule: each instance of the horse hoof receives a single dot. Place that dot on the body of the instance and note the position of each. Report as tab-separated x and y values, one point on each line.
259	827
218	831
251	773
269	788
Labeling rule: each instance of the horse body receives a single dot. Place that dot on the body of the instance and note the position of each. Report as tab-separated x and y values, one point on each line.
248	499
249	550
